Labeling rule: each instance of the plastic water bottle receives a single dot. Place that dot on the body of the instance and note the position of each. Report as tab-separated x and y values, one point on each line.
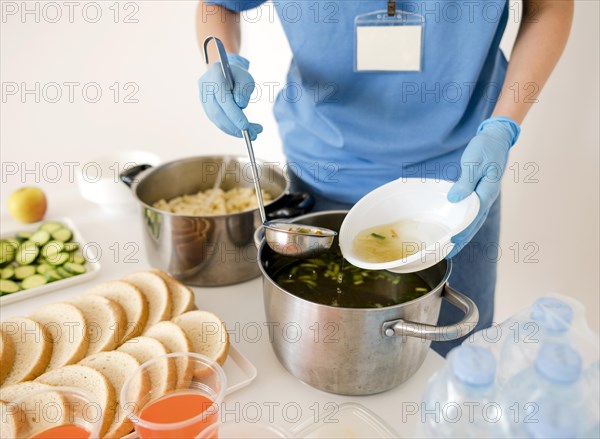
461	400
552	419
591	380
532	396
550	321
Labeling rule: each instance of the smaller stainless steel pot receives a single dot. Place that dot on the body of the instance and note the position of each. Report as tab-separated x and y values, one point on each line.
207	250
357	351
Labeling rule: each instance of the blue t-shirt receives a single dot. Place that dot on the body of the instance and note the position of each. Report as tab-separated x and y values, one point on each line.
344	132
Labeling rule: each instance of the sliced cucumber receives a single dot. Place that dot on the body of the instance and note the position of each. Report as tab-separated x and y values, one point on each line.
51	226
40	237
62	235
71	246
23	236
58	259
78	259
52	248
24	271
7	273
63	273
13	242
8	286
36	280
7	252
43	268
27	253
74	268
52	275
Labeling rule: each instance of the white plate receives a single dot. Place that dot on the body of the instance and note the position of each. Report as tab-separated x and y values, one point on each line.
422	200
93	267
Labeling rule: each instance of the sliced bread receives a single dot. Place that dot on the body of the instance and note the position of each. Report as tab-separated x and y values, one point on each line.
156	293
36	412
207	334
131	299
164	375
181	296
17	391
7	355
118	367
33	349
175	340
88	379
67	328
8	426
106	322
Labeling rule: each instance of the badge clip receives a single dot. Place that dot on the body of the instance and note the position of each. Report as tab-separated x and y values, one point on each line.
391	9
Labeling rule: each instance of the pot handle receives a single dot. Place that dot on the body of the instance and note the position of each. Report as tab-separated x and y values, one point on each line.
128	175
395	328
290	205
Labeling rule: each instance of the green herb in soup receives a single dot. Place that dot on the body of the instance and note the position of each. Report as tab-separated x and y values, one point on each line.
331	280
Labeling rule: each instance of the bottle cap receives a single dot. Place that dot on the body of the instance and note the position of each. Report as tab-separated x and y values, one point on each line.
473	365
554	419
558	362
553	315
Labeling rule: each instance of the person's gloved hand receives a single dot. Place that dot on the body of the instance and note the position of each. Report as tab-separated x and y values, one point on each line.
223	107
482	166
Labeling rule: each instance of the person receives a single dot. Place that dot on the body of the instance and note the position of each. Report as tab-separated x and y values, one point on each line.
452	114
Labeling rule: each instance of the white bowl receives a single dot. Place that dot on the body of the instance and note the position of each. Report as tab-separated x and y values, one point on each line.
99	181
422	200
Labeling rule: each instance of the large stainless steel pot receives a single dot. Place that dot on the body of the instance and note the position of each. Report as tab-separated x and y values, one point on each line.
207	250
357	351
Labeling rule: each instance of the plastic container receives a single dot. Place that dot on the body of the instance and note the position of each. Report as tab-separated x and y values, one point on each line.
350	420
246	430
549	321
461	400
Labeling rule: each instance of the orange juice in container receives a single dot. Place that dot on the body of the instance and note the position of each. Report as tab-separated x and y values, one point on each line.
54	413
183	411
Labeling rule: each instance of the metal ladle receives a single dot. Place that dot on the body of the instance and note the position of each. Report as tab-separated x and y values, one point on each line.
294	240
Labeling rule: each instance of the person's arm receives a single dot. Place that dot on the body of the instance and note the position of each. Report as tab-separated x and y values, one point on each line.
542	37
224	107
217	21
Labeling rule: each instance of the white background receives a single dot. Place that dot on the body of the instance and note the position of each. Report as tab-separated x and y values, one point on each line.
558	214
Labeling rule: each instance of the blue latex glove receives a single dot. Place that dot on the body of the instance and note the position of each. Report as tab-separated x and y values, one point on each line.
223	107
482	166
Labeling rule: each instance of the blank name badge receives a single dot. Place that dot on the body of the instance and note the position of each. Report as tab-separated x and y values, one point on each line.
388	43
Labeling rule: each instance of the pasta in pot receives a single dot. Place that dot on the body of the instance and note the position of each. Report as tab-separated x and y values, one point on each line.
213	202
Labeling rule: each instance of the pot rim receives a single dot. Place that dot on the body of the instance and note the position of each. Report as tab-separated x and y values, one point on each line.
301	218
146	173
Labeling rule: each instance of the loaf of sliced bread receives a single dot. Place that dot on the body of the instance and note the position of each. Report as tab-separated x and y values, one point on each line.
118	367
175	340
206	332
67	329
181	296
156	293
36	412
106	322
131	299
33	349
163	375
88	379
7	355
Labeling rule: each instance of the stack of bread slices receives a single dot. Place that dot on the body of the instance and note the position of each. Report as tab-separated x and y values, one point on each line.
98	339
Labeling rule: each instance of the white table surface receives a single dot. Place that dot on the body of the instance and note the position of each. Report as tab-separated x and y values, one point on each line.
275	395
